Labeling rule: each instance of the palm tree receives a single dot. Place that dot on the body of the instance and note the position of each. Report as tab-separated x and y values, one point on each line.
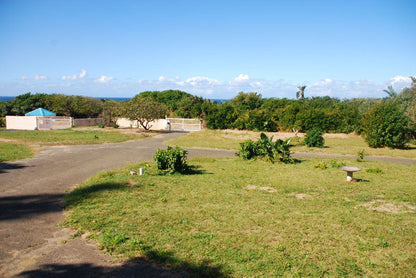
390	92
301	92
413	80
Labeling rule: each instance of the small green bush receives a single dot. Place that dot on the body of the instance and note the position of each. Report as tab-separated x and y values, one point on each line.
2	121
101	125
386	125
314	138
171	160
267	150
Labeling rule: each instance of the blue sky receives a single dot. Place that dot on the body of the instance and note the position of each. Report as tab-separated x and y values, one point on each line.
212	48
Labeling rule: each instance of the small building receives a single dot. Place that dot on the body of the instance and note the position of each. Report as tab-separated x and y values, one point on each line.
38	119
40	112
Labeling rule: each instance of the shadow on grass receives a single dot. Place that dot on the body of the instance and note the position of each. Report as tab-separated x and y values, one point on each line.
138	267
189	171
26	206
5	167
361	180
79	194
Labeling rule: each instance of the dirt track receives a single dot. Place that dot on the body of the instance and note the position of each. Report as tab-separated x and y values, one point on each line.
31	207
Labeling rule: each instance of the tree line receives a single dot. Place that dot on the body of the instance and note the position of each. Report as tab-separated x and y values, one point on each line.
246	111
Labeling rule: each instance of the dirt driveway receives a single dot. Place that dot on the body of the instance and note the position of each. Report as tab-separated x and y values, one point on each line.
31	207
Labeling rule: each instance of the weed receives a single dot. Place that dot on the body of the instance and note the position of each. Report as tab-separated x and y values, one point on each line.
374	170
361	154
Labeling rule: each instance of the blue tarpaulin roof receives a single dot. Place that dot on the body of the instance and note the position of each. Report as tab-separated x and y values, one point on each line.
40	112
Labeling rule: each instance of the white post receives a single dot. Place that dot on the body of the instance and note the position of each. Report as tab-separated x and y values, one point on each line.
141	171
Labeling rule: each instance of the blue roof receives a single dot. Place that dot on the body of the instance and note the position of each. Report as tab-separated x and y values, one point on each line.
40	112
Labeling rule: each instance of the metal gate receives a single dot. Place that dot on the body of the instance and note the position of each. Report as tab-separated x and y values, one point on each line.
181	124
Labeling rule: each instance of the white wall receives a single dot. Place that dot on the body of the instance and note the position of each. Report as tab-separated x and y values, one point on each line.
36	122
160	124
21	122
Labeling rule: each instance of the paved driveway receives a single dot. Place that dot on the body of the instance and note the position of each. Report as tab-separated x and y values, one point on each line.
31	207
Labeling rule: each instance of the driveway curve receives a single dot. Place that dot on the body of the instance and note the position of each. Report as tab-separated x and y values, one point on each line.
31	207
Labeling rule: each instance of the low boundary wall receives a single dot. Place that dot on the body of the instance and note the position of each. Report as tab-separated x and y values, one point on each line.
36	122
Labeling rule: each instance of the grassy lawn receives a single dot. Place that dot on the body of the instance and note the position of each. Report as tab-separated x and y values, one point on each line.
12	151
68	136
252	219
343	144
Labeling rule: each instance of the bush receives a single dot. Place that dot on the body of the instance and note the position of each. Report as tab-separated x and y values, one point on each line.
2	121
266	149
171	160
386	125
101	125
314	138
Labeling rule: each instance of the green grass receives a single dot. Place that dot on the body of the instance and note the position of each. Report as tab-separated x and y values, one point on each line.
212	224
12	151
67	137
351	144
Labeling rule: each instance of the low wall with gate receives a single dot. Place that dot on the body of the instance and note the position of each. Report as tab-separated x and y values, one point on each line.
170	124
36	122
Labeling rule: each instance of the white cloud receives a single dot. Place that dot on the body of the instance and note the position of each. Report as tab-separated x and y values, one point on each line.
242	77
76	76
40	77
201	81
400	79
399	82
209	87
104	79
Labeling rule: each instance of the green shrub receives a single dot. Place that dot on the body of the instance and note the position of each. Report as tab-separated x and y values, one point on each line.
386	125
267	150
314	138
172	160
101	125
2	121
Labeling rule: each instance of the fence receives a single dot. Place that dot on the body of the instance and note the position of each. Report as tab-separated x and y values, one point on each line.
87	121
181	124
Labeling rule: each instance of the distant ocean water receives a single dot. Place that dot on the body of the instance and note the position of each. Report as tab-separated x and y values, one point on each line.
8	98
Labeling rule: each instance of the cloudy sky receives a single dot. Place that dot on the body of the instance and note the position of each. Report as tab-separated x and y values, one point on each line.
213	49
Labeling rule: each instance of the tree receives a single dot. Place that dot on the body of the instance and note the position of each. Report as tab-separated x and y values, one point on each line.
111	112
144	111
301	92
386	125
390	92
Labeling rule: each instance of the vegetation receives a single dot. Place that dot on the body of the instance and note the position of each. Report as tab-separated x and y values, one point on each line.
62	105
266	149
386	125
171	160
348	144
144	111
12	151
314	138
228	221
68	136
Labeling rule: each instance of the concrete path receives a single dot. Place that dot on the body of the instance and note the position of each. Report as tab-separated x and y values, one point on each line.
31	207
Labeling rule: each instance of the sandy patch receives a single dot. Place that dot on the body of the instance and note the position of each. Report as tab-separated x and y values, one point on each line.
301	196
264	188
383	206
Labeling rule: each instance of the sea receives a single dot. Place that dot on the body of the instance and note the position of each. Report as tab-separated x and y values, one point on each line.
8	98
